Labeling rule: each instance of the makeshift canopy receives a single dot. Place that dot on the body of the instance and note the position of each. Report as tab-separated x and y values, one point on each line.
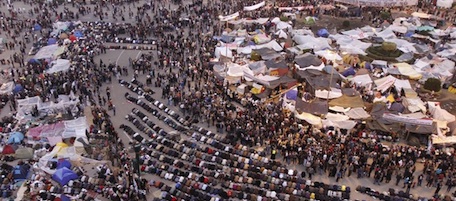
59	65
64	175
47	52
347	101
357	113
24	153
309	61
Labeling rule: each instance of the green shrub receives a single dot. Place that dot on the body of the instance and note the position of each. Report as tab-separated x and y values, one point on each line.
255	56
433	84
284	19
346	24
385	15
389	46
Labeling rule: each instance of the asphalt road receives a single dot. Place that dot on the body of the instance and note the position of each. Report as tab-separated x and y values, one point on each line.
124	107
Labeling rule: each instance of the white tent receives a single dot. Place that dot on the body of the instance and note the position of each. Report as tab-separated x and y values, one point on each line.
357	113
407	70
309	118
386	34
283	25
440	114
307	42
444	3
59	65
325	94
236	70
46	52
362	80
329	55
357	34
281	34
223	51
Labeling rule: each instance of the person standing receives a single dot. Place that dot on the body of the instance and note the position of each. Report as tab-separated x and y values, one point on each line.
439	186
113	110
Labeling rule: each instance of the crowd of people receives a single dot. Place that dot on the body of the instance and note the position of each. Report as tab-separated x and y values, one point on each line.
182	72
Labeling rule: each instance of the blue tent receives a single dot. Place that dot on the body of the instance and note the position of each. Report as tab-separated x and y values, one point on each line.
52	41
37	27
15	138
348	72
20	172
409	34
323	33
34	61
18	88
64	175
63	163
227	39
292	94
64	198
78	34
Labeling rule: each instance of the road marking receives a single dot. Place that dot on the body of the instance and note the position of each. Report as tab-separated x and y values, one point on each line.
129	138
119	56
138	55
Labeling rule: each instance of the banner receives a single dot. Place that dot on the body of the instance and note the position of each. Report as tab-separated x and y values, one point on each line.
229	17
380	3
300	8
254	7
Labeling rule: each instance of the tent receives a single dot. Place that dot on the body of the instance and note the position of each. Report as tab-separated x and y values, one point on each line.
63	163
37	27
283	25
8	149
63	197
323	33
15	138
52	41
20	172
64	175
78	34
24	153
18	88
73	38
292	94
308	60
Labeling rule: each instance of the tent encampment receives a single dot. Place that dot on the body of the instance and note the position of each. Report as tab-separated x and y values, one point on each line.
64	175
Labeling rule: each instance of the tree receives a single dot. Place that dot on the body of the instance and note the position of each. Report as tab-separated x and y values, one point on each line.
433	84
346	24
389	46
